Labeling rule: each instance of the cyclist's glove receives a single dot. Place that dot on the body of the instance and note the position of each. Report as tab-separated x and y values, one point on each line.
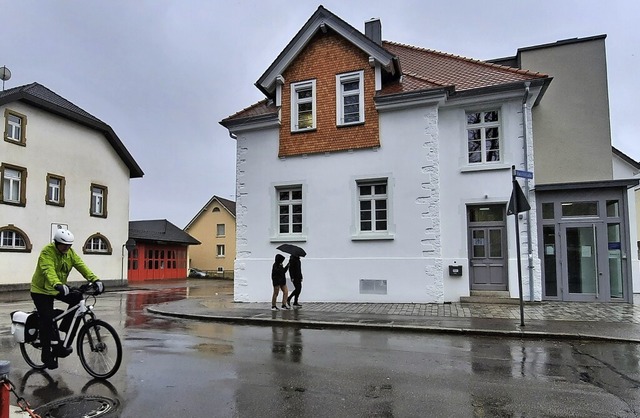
99	286
62	289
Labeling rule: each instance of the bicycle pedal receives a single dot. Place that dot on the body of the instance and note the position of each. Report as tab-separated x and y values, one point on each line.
62	352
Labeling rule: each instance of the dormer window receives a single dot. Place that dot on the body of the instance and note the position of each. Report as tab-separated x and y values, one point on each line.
303	106
350	98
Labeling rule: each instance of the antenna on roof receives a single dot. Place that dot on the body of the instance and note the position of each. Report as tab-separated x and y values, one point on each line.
5	74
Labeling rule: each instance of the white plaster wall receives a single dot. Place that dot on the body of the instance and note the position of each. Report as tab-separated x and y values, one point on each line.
423	157
460	188
83	156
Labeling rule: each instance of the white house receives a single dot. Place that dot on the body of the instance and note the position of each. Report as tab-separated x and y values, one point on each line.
381	171
60	167
392	165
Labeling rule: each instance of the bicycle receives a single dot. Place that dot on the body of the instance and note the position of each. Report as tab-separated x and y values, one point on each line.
98	345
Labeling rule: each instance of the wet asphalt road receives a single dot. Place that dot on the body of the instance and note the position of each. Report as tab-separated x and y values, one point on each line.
182	368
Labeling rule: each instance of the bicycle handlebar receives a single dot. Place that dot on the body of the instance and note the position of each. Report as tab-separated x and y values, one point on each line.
87	288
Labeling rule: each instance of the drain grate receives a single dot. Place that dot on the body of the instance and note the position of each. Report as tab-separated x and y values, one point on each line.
79	407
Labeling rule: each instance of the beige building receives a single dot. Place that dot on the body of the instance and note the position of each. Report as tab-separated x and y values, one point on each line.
588	227
215	227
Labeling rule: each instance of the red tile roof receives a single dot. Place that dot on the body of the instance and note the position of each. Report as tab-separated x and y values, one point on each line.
441	69
424	69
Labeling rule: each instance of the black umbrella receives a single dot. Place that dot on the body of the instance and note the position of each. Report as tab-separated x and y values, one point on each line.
292	249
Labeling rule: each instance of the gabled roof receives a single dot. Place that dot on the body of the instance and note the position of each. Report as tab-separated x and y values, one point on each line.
229	205
39	96
160	231
320	21
421	70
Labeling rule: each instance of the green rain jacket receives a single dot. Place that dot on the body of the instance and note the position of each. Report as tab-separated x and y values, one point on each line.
54	267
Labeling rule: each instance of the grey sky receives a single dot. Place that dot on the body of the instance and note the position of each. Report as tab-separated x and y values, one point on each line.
163	73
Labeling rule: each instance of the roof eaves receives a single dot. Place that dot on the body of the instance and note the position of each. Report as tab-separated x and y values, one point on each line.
635	164
73	113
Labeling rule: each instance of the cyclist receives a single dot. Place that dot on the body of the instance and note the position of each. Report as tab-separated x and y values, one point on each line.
49	282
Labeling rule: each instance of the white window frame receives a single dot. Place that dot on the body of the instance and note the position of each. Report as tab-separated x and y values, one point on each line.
97	245
341	80
276	203
55	190
14	129
12	240
220	251
483	127
98	201
12	185
220	230
382	234
295	102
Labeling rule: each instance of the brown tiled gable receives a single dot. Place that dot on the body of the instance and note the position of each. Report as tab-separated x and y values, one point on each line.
324	57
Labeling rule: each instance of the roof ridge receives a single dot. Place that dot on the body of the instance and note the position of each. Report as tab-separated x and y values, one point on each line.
467	59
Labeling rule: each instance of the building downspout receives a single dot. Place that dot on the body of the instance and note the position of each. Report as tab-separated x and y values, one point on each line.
525	98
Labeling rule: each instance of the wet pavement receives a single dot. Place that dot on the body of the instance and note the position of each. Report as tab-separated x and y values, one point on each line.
213	301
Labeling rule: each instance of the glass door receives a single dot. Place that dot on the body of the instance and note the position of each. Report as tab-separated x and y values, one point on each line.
584	270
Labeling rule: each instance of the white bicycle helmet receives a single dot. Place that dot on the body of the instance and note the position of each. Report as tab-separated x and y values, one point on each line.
63	236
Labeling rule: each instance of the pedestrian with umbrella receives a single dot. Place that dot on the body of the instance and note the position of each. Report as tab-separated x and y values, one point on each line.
295	271
279	281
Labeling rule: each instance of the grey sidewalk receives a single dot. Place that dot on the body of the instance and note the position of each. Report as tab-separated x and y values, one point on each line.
596	321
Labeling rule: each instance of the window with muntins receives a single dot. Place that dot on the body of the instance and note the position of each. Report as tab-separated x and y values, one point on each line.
13	184
220	250
290	210
55	190
13	239
350	98
372	206
303	106
98	201
14	129
97	244
483	137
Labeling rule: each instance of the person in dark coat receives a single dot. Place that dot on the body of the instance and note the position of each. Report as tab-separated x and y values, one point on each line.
279	281
295	271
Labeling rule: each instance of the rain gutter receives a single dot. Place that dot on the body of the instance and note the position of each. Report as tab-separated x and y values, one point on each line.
525	130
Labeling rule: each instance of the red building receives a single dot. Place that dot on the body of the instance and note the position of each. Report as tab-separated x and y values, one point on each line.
160	252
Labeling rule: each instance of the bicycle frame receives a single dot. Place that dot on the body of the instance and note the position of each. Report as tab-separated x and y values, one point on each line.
81	309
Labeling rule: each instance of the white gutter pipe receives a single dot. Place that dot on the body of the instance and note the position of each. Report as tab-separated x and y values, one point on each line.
525	98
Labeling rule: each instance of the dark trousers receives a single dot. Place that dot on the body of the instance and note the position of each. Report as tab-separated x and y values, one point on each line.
44	305
296	291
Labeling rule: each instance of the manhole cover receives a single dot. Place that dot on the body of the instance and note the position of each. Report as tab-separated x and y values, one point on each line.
79	407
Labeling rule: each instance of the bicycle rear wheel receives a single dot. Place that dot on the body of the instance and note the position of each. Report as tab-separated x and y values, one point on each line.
32	353
99	349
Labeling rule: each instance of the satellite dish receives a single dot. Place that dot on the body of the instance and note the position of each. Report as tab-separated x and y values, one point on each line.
5	74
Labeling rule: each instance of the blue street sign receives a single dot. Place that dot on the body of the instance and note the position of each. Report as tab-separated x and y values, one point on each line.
524	174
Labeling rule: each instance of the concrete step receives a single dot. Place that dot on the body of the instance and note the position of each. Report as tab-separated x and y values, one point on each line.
489	296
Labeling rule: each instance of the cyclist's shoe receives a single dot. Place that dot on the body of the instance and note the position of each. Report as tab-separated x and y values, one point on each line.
50	362
61	351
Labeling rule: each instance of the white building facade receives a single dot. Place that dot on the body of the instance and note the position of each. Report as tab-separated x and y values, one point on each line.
61	167
418	214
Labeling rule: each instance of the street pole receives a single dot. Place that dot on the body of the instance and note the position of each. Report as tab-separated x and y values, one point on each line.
515	216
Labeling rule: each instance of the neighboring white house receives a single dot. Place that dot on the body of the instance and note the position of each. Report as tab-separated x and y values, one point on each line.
380	172
60	167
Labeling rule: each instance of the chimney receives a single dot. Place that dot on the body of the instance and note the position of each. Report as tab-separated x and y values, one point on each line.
373	30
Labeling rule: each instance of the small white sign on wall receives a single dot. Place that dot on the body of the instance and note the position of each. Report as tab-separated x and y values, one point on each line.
55	227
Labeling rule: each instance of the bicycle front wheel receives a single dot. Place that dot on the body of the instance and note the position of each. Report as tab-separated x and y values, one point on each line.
32	354
99	349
